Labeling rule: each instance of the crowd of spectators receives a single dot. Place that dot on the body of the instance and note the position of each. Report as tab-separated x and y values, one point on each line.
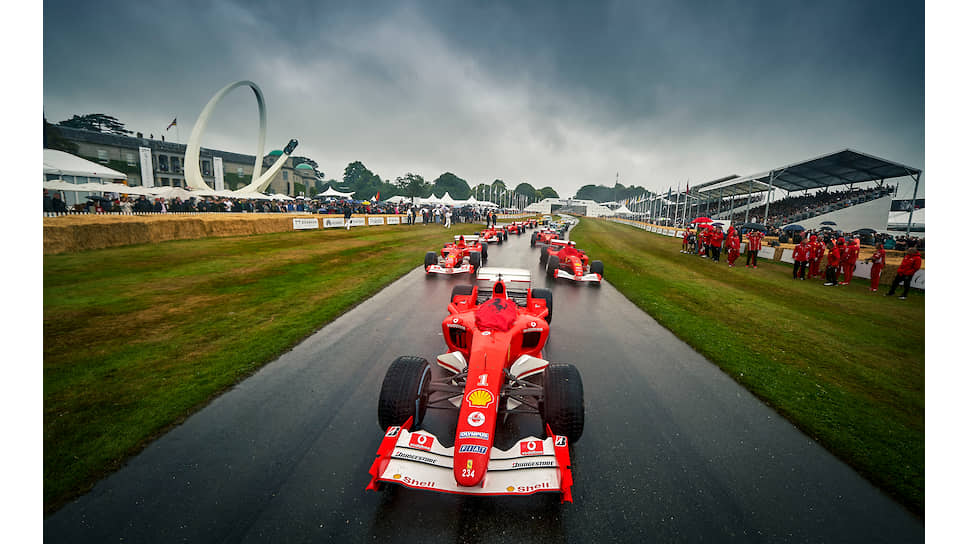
799	208
54	204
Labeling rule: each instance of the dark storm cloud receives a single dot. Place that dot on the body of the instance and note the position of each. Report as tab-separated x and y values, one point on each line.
557	93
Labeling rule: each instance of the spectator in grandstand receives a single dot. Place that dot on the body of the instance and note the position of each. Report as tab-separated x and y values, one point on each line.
833	263
801	259
877	262
905	272
754	242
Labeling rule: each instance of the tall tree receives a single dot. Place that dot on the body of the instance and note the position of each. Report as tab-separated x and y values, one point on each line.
411	185
525	189
98	122
547	192
450	183
54	140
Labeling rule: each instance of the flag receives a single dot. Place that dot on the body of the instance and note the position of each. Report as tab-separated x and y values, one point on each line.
669	194
687	187
377	197
174	122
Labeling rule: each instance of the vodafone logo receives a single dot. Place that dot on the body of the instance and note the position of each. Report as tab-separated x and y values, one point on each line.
532	447
475	419
421	441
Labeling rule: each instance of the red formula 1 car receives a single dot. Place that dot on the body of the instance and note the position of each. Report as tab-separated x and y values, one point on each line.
513	228
495	332
544	236
452	256
563	260
492	235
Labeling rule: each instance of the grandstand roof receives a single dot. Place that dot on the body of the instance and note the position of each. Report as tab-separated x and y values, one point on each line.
838	168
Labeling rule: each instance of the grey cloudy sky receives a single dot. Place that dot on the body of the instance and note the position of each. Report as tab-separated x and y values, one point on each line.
552	93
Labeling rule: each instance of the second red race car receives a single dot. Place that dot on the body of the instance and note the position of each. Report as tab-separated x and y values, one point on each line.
563	260
495	333
493	235
466	254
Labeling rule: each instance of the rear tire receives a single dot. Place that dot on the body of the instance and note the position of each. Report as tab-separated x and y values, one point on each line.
545	294
505	235
563	407
534	238
475	260
544	255
484	251
553	262
405	392
430	259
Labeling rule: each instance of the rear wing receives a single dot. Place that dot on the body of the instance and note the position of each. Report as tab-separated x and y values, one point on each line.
467	238
517	281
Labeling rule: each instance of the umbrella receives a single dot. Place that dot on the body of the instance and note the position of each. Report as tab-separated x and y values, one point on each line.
717	224
865	231
755	226
825	227
701	220
827	223
797	228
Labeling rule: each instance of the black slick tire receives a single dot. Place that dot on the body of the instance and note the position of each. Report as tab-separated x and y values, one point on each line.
563	406
553	262
405	392
430	259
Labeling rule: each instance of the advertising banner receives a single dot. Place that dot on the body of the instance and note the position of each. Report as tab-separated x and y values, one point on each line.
393	220
918	280
332	222
219	174
787	256
357	221
147	174
300	223
766	253
374	221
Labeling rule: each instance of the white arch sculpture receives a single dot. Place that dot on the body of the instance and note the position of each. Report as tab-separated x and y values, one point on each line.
193	175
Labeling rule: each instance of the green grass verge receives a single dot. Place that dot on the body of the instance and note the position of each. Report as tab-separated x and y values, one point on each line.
845	366
137	338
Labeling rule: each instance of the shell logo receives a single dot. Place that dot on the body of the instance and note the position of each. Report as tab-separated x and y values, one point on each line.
396	476
510	488
480	398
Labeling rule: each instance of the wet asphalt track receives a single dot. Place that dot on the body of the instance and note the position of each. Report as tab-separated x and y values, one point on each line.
673	450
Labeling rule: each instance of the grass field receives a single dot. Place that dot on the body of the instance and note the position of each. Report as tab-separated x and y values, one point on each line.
844	365
139	337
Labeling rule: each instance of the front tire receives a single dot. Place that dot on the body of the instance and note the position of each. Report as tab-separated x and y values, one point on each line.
563	407
405	392
475	260
430	259
553	262
544	255
484	251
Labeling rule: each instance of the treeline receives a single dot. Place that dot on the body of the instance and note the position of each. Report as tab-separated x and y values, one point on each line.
364	184
617	193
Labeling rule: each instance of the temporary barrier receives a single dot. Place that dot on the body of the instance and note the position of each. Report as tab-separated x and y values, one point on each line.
301	223
787	256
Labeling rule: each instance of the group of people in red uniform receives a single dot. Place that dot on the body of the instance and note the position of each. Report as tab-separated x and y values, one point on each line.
808	256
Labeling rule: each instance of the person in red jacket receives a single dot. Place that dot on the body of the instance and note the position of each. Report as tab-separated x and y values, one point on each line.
702	251
842	248
850	260
753	244
877	260
801	258
816	255
716	242
732	244
905	272
833	263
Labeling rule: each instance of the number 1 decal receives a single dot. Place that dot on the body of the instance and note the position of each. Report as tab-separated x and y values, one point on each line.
482	380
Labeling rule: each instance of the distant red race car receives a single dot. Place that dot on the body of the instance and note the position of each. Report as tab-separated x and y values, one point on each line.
563	260
543	237
493	235
452	256
495	333
514	228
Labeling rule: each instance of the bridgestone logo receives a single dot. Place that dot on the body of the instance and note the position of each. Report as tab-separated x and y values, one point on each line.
532	464
412	457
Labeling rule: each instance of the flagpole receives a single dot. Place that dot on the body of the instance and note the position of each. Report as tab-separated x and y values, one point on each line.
675	219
